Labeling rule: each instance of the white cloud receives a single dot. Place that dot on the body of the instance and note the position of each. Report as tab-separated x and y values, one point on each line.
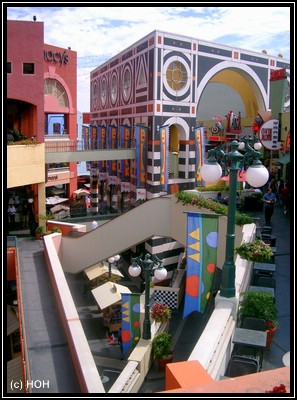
102	32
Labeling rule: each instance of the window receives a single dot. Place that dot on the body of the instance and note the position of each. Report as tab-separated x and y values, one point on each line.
114	89
28	68
127	84
103	92
176	75
55	88
9	67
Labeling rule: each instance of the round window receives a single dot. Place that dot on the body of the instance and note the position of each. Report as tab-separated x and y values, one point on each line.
176	75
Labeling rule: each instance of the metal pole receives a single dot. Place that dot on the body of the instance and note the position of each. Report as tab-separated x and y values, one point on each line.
227	288
147	323
109	269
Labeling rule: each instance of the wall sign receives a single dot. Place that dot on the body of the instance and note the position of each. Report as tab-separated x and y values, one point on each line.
268	135
56	56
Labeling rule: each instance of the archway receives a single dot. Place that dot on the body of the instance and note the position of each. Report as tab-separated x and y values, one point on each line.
235	87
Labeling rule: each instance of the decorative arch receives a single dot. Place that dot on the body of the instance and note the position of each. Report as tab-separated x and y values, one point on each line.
242	69
53	75
184	131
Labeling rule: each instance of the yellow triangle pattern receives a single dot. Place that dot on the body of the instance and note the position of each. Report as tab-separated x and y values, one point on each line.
195	234
195	246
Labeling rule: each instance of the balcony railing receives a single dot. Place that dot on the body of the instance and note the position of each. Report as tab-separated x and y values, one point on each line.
82	145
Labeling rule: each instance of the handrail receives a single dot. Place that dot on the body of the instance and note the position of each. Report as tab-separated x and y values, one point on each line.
81	145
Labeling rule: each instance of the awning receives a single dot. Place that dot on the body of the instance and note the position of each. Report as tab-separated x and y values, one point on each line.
59	208
56	192
83	192
99	269
53	201
109	293
285	159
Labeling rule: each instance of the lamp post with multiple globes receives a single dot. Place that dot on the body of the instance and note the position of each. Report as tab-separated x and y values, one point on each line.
256	175
160	273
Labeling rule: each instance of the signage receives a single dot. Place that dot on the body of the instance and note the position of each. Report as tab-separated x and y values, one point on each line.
56	56
140	194
268	135
125	186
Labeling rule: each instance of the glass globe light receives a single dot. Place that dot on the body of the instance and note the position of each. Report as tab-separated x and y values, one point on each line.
111	260
241	146
258	146
160	273
257	175
134	270
211	172
117	257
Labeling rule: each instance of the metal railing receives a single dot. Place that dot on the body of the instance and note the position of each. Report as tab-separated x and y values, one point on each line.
82	145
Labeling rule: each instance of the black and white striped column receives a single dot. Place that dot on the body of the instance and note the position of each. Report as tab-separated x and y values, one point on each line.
94	189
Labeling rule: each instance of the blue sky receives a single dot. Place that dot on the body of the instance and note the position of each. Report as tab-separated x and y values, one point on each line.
99	33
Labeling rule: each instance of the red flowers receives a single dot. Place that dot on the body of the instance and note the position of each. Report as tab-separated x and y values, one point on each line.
278	389
160	312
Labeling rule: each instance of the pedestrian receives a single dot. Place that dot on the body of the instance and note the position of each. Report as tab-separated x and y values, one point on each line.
120	341
285	196
269	199
11	213
219	197
25	209
94	224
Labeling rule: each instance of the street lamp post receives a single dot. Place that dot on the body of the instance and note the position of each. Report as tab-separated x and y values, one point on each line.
160	273
256	175
111	260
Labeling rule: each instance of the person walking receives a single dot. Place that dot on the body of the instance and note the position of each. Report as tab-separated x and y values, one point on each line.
11	214
285	196
269	199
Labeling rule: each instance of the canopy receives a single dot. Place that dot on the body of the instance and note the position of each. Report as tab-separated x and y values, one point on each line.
285	159
241	177
54	200
81	192
99	269
109	293
59	208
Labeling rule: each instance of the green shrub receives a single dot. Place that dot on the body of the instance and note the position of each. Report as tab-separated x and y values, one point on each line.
162	345
256	304
189	198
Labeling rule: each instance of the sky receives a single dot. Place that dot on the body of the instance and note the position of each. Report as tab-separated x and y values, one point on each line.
101	32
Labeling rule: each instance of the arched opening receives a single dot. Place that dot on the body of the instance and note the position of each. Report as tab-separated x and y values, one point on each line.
229	88
174	138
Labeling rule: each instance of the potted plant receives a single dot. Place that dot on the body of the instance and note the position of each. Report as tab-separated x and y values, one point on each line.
257	304
38	232
160	312
56	229
162	348
256	251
